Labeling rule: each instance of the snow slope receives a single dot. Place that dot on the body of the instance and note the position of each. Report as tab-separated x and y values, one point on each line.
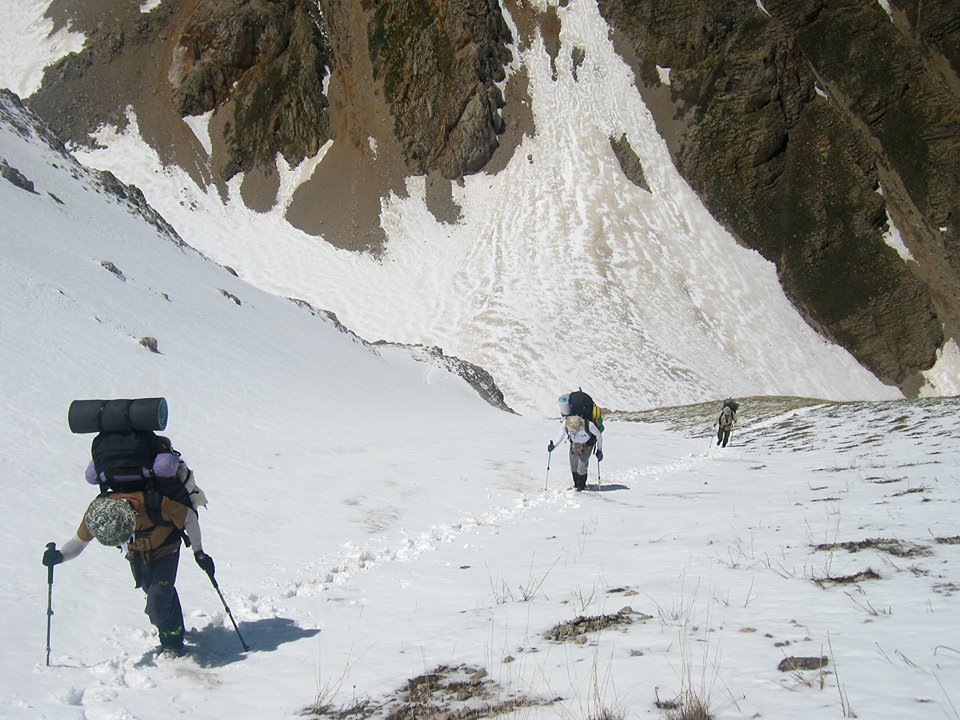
560	272
381	532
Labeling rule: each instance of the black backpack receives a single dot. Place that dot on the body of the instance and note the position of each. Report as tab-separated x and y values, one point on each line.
125	454
120	458
582	404
732	404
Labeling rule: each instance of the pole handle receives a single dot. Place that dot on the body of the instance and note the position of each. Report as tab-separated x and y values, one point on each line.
50	546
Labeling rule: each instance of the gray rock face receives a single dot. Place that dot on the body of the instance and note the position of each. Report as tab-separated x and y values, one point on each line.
267	58
439	63
14	176
790	124
629	161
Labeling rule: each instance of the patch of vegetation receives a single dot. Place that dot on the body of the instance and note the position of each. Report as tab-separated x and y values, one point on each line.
606	714
946	588
868	574
686	706
891	546
437	695
910	491
576	630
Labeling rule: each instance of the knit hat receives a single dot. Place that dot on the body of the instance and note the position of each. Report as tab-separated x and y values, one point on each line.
111	521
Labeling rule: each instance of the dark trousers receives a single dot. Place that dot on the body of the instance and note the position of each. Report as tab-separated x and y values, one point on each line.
723	435
157	579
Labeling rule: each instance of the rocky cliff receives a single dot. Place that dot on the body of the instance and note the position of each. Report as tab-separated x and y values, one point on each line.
805	126
439	63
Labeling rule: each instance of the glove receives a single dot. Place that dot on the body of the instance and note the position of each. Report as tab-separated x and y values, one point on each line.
51	557
205	562
551	447
599	455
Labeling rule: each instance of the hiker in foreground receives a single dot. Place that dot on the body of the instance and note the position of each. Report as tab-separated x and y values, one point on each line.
583	436
144	524
728	416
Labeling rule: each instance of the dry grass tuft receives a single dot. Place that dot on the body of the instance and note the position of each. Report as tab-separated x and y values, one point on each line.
686	706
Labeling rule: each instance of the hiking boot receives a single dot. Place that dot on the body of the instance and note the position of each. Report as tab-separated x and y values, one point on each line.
171	643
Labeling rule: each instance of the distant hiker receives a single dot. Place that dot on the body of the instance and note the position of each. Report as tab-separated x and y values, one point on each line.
144	521
728	416
583	436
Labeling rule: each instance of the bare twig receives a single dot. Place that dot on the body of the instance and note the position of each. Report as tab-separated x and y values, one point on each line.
527	593
907	660
747	601
844	700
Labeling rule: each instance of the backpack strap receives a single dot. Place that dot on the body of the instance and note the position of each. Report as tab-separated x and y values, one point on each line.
593	438
152	501
153	507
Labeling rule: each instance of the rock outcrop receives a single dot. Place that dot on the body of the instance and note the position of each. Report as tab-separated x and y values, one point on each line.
439	63
802	126
267	59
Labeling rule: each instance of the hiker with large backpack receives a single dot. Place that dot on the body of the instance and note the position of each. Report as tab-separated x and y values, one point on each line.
582	427
147	507
728	416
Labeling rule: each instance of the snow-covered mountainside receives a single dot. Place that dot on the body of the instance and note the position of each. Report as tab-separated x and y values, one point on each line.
390	544
558	270
554	271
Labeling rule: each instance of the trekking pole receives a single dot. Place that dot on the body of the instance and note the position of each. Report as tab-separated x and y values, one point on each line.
50	546
549	455
216	587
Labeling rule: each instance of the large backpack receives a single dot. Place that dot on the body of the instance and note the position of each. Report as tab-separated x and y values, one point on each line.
124	463
726	417
583	405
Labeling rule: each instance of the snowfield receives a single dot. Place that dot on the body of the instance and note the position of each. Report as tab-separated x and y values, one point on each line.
390	543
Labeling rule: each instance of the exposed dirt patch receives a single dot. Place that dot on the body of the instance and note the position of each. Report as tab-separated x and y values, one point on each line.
439	197
953	540
341	201
259	189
